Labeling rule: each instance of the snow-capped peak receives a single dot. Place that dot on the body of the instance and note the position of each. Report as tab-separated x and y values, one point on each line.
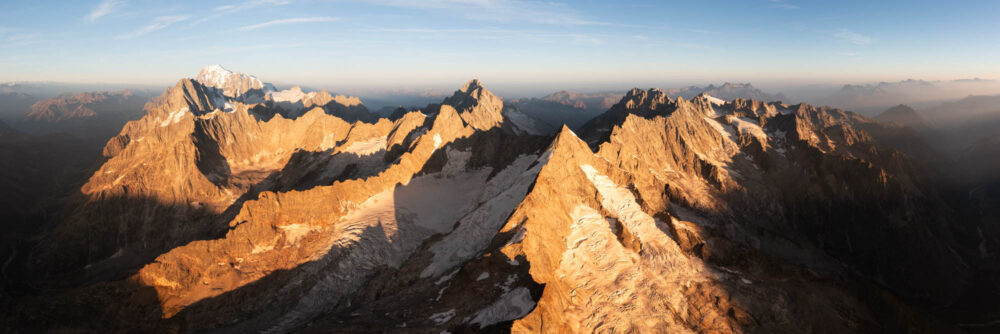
232	83
214	75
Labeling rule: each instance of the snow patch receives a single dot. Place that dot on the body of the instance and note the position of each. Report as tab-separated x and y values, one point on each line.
382	231
505	287
437	140
500	197
367	147
524	124
174	117
443	317
621	204
456	162
483	276
714	100
749	127
445	278
294	232
512	305
291	95
721	129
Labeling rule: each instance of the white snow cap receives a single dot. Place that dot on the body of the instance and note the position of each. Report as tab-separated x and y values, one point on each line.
219	77
214	75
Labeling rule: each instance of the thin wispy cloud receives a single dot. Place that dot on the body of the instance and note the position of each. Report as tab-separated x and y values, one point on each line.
225	10
852	56
693	46
251	4
782	4
503	34
102	9
224	50
586	39
159	23
297	20
502	10
21	39
853	37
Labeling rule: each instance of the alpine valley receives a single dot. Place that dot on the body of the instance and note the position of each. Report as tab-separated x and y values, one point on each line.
231	206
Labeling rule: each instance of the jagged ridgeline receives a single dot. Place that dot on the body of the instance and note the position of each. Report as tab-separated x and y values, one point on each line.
233	206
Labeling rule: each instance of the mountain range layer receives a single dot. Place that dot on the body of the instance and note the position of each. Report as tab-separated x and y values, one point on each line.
574	109
231	206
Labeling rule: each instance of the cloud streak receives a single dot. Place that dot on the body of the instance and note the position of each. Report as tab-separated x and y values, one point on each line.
853	37
285	22
159	23
782	4
225	10
102	9
502	10
15	40
502	34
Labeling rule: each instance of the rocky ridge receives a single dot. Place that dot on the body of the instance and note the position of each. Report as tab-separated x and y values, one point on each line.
232	213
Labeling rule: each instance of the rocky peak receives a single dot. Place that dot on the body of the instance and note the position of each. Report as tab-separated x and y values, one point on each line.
478	94
903	115
560	96
901	109
566	139
194	95
736	85
477	106
640	99
472	85
648	104
728	91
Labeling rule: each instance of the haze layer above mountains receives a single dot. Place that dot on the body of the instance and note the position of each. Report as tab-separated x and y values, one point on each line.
226	204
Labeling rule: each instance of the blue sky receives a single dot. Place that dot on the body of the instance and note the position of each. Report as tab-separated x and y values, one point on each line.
443	43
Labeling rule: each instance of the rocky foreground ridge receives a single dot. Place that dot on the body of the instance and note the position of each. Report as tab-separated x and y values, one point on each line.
231	206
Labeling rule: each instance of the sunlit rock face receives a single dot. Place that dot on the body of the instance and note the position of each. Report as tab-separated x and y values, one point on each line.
283	211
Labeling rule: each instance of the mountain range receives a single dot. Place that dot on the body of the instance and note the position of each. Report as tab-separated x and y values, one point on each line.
232	206
921	94
573	109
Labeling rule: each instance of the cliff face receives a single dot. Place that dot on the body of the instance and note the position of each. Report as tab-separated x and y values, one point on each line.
225	211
